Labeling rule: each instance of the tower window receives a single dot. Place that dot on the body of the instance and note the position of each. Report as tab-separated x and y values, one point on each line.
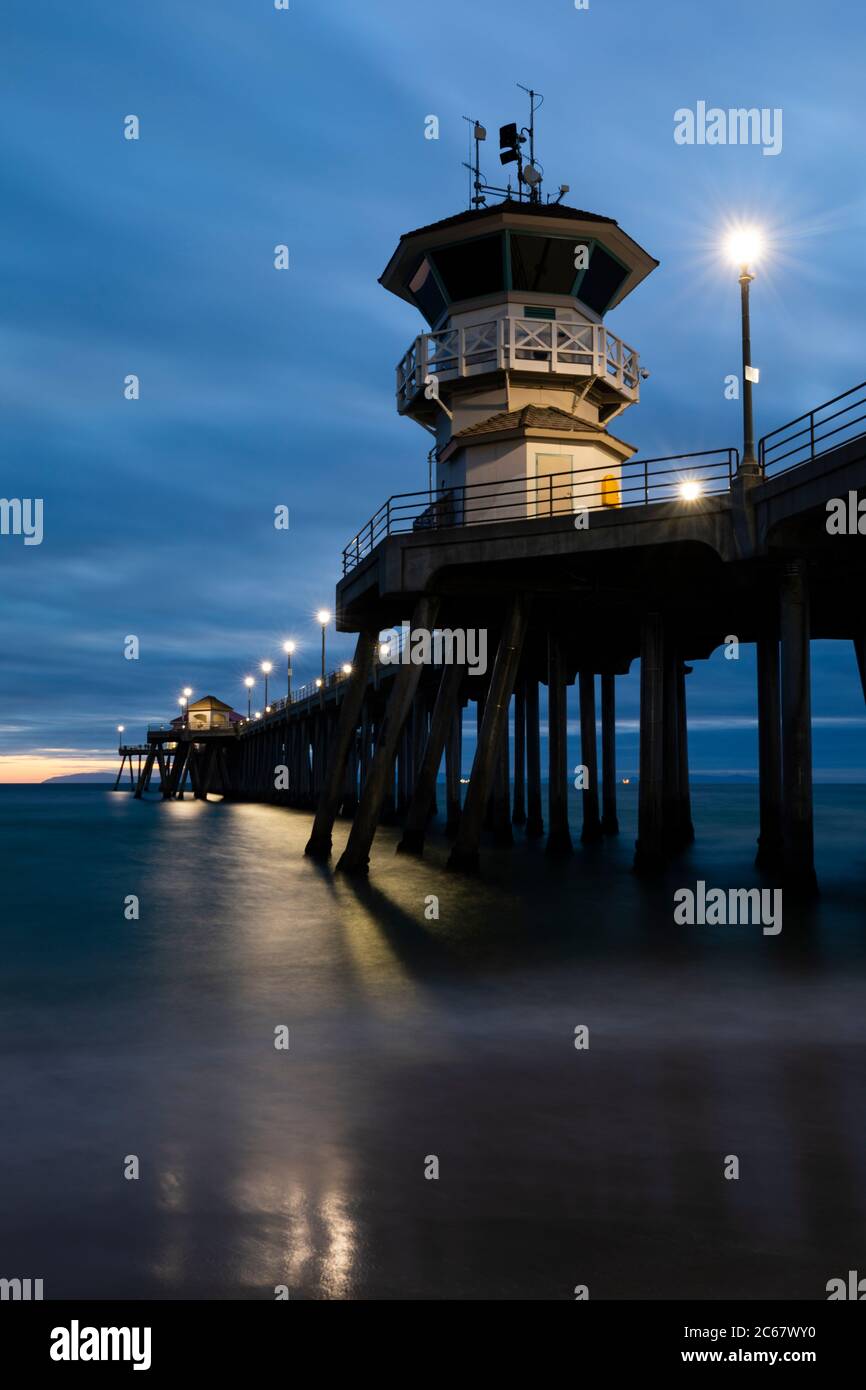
426	292
601	279
542	263
471	268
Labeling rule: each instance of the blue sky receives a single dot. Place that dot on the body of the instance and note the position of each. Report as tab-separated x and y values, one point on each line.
306	127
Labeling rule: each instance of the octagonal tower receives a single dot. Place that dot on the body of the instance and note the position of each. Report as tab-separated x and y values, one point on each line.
518	378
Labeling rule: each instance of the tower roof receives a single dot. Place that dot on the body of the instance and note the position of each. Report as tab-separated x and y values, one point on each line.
209	702
537	210
535	422
464	259
530	417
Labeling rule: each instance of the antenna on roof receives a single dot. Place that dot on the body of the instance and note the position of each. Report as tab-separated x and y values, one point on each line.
531	174
511	141
478	133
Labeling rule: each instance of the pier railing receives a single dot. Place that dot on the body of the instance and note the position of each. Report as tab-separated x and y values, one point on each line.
683	477
836	422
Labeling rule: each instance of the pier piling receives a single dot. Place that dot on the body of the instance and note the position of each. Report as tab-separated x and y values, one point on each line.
797	830
464	855
558	833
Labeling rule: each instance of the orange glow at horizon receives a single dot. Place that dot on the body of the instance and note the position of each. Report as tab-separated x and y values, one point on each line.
38	767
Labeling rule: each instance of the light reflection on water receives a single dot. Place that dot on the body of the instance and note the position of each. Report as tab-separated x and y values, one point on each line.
412	1037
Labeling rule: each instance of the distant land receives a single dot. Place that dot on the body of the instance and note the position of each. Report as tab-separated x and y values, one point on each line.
98	779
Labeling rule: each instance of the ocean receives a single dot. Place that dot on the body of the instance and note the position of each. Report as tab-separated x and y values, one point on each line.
419	1043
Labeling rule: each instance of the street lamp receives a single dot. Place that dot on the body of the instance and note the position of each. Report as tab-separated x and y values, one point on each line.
689	489
288	648
183	711
120	729
324	617
347	668
744	246
267	668
249	682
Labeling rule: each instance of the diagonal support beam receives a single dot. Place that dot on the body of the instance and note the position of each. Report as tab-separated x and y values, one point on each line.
464	855
144	775
355	858
319	844
447	697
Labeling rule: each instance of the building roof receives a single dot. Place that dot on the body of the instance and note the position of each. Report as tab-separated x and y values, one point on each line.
539	210
466	226
209	702
531	417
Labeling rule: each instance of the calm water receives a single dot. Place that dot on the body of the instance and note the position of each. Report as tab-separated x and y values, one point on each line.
411	1038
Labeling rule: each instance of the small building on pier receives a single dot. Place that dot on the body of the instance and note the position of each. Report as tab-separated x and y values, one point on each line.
207	713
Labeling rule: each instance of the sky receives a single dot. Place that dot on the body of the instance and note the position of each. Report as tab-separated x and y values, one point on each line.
261	388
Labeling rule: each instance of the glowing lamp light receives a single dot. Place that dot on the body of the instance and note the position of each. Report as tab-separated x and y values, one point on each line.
267	667
384	651
249	682
347	669
323	617
187	690
689	490
288	648
120	728
318	682
744	245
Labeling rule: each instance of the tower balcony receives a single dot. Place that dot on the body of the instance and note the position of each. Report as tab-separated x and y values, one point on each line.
547	347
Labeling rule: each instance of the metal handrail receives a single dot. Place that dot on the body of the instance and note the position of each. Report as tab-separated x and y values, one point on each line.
781	444
636	482
562	346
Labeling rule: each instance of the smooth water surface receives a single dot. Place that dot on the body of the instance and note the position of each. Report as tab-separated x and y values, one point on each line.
412	1037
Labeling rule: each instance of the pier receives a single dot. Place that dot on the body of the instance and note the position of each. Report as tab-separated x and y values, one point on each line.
575	557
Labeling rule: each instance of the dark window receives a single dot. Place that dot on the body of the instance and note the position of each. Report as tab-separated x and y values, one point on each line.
426	293
471	267
537	311
542	263
602	278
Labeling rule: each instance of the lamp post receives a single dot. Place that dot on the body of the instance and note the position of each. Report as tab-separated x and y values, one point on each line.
120	729
324	617
249	682
184	717
267	667
288	648
744	247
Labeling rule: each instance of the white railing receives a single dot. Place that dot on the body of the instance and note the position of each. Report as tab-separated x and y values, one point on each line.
568	347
